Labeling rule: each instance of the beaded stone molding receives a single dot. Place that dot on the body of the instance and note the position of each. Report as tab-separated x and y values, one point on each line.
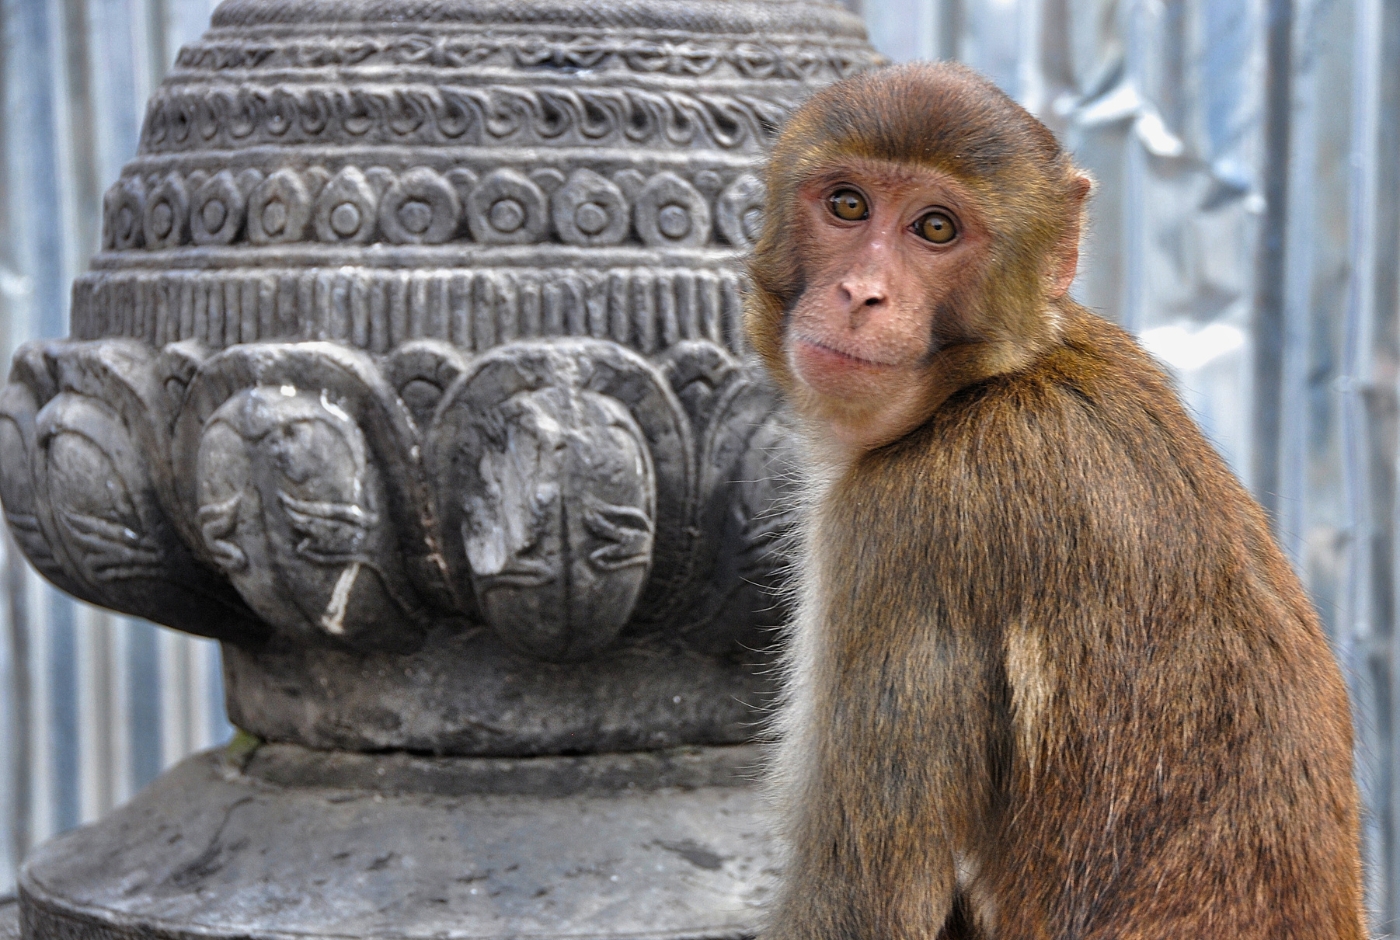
422	206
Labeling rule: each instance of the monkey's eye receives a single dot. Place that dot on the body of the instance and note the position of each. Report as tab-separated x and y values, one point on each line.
936	227
849	205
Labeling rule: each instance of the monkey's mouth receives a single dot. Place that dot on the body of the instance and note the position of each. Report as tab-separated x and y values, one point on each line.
837	357
837	374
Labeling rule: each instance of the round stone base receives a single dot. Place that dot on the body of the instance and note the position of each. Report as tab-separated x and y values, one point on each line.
290	843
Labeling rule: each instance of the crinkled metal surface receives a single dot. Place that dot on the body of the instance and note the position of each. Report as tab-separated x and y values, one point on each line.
1247	155
1244	225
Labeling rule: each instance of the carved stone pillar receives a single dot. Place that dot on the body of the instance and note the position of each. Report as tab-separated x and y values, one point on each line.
411	370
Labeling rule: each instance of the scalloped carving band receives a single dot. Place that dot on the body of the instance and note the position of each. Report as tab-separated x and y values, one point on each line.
196	118
554	489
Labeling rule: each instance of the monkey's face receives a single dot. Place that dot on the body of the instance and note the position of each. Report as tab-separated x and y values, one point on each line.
889	252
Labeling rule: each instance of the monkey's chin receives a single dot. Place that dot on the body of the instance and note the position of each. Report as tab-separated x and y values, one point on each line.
855	404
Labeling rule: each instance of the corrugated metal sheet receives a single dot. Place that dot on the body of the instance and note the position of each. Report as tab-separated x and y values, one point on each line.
1245	224
92	705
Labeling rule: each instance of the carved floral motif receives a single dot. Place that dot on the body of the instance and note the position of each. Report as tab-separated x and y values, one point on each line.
288	495
81	424
559	466
563	492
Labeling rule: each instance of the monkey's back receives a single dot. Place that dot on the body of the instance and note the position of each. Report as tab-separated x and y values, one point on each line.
1121	677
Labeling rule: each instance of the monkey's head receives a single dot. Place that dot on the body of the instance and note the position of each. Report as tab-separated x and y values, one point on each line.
920	234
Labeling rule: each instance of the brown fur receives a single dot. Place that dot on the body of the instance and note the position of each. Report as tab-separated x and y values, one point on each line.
1052	678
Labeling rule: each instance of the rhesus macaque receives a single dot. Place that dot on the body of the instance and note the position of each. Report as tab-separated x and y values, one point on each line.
1050	677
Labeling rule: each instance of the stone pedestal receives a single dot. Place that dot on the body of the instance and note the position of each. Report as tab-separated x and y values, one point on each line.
297	843
412	369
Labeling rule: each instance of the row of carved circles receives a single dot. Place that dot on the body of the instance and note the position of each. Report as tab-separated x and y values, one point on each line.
424	207
751	60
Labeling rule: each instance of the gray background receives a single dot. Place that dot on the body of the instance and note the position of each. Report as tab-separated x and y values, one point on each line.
1245	225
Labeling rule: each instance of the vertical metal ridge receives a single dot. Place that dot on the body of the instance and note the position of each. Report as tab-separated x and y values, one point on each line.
1365	651
1269	293
20	700
81	717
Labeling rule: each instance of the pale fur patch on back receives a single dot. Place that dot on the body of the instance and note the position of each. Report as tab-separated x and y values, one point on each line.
983	905
1032	688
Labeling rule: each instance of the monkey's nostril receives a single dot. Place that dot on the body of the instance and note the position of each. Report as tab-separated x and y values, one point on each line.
871	301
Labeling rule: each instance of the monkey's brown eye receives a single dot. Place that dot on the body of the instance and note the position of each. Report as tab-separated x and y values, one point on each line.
849	205
936	227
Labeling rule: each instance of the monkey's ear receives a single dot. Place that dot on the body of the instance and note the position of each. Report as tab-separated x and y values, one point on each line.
1066	260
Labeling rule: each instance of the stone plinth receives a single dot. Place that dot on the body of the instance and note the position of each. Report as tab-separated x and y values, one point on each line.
296	844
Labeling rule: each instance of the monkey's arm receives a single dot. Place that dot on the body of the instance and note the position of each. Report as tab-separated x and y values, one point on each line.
895	726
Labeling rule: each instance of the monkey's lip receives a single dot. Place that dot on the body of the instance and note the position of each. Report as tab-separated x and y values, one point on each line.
837	374
830	356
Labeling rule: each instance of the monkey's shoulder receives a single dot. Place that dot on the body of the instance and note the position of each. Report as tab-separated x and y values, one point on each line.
1095	393
1091	429
1082	464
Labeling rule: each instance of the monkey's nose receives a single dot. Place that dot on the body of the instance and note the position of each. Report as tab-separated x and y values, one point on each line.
862	303
863	293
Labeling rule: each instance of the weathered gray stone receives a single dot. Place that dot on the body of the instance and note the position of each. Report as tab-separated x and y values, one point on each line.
416	329
298	845
412	368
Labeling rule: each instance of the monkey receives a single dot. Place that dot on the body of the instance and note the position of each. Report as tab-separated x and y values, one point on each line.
1049	675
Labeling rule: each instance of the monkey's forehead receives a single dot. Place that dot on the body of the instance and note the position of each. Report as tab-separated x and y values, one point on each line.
896	180
924	112
890	174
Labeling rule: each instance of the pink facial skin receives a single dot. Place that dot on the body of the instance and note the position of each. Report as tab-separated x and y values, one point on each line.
860	336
